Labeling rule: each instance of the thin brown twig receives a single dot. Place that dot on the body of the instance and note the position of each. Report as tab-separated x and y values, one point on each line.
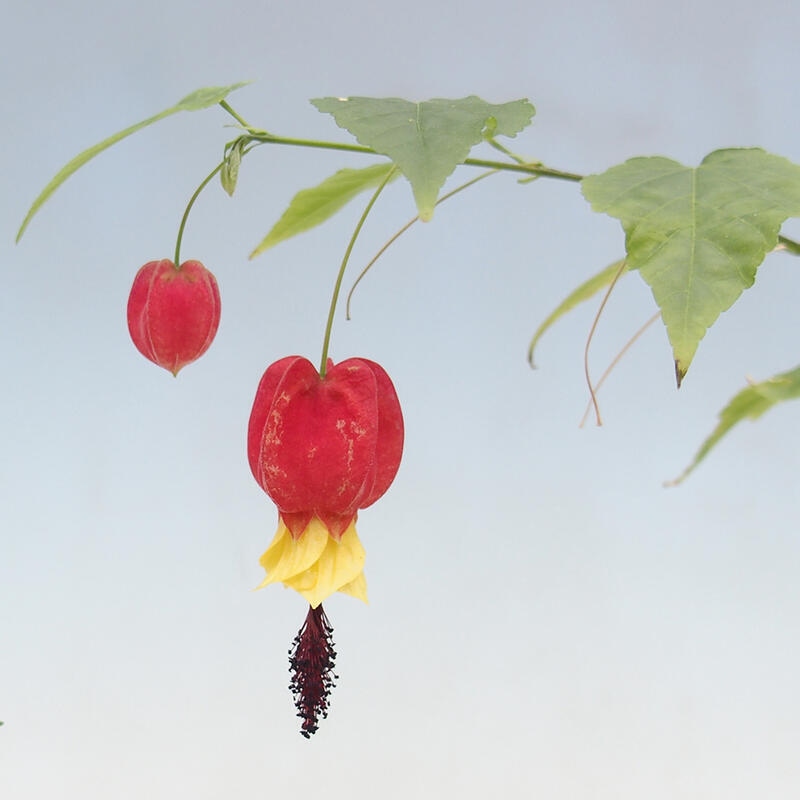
402	230
377	255
616	361
592	392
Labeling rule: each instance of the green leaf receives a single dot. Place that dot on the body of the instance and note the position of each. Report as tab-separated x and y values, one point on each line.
202	98
751	402
426	141
205	98
698	235
311	207
584	292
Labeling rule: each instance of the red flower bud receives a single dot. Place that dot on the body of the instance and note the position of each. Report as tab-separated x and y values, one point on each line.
324	447
173	314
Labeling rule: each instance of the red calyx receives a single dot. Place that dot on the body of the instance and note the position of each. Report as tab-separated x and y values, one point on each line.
173	314
324	446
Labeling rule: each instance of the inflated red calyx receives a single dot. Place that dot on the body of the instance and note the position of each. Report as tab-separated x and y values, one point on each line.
173	314
324	446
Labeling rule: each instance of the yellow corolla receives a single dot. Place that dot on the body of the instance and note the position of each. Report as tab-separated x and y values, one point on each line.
315	564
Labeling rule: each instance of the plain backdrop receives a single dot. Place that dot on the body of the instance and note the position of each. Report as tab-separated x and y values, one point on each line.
545	620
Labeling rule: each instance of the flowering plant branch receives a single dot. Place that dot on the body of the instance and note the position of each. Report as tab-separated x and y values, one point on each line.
325	442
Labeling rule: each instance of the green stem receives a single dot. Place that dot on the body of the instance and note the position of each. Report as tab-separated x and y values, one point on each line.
535	169
224	105
338	285
525	168
505	151
194	197
530	169
317	143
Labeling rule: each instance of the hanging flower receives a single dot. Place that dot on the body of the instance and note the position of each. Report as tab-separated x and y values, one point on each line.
322	447
173	313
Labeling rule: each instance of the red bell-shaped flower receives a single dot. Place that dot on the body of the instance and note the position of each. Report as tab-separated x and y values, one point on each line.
173	314
322	448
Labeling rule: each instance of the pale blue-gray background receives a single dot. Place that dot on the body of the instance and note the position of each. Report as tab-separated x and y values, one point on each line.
546	620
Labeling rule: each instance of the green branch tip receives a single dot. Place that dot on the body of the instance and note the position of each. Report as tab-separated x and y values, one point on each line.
195	101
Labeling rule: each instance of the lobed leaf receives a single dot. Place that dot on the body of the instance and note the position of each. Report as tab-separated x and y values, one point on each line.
428	140
311	207
698	235
585	291
751	402
202	98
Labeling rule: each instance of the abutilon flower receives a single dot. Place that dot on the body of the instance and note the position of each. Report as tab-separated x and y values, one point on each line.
173	313
322	447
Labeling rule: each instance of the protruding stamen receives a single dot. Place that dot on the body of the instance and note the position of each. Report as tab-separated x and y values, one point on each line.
311	663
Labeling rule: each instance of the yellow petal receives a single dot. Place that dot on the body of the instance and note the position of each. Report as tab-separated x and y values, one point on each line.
356	588
286	557
315	564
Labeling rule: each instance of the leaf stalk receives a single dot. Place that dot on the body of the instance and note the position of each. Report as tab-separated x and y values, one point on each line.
340	276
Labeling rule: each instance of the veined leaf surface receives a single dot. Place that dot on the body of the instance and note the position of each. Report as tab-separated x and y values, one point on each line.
427	140
311	207
698	235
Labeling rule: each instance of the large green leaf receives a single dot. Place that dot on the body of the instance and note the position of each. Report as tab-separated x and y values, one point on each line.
311	207
581	294
202	98
428	140
751	402
698	235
